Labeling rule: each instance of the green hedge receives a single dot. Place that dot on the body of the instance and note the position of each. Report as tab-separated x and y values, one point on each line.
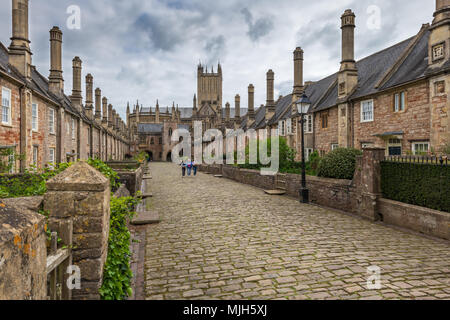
424	185
339	164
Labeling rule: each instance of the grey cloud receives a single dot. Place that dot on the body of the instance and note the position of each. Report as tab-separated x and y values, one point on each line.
215	49
259	28
159	31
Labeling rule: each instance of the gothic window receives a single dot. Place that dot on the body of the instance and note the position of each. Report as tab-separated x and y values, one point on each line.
160	140
152	141
170	132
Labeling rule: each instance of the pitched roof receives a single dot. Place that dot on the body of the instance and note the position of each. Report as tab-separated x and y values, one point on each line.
150	128
411	55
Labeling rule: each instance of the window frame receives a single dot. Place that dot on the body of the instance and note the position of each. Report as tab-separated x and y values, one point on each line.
73	129
334	146
414	144
51	121
50	151
289	126
35	118
400	101
308	126
35	156
371	101
9	94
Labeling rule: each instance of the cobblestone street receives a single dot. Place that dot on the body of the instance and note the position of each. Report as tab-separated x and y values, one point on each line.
219	239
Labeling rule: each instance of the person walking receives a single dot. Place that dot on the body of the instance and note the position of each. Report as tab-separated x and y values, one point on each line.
189	167
194	167
183	168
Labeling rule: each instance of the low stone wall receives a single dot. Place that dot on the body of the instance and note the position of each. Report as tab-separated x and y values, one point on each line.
23	254
332	193
420	219
132	179
251	177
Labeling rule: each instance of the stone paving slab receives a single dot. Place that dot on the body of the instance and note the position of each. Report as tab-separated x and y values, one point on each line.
146	217
219	239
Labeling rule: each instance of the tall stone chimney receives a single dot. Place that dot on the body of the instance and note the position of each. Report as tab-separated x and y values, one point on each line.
270	103
237	107
105	110
227	111
348	74
439	41
298	74
56	80
76	97
89	96
110	115
19	50
251	102
98	104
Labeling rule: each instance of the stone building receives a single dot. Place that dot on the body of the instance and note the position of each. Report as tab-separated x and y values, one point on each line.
395	99
39	121
151	128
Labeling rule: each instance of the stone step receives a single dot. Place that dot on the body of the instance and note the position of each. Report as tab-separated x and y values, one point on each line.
147	177
147	195
275	192
146	217
218	176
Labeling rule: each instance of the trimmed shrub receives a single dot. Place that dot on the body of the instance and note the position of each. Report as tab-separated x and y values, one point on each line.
425	185
339	164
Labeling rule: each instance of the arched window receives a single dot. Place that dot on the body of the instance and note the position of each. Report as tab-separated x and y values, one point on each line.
170	132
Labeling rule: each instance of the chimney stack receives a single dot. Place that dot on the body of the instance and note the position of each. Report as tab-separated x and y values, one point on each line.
76	97
110	115
89	96
98	104
251	102
298	73
270	103
237	107
227	111
56	80
19	50
439	41
348	74
105	110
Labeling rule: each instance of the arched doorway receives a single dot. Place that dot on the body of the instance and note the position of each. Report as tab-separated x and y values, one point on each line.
149	156
169	157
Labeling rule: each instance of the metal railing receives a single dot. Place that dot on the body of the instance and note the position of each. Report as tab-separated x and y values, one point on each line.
441	160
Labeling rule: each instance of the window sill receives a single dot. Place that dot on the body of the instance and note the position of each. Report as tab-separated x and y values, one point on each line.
367	121
8	125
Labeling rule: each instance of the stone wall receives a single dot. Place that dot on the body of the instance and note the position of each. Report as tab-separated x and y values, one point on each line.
23	254
419	219
130	174
80	196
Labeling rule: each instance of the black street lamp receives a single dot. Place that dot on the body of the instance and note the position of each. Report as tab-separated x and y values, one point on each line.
303	105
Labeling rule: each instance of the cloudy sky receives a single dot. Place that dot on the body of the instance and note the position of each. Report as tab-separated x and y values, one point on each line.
149	49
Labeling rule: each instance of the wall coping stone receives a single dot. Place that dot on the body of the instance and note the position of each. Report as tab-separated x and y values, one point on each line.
78	177
15	221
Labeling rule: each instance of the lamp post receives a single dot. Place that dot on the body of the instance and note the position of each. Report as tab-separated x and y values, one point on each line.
303	105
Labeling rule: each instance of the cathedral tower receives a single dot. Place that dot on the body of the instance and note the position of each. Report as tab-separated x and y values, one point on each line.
209	87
